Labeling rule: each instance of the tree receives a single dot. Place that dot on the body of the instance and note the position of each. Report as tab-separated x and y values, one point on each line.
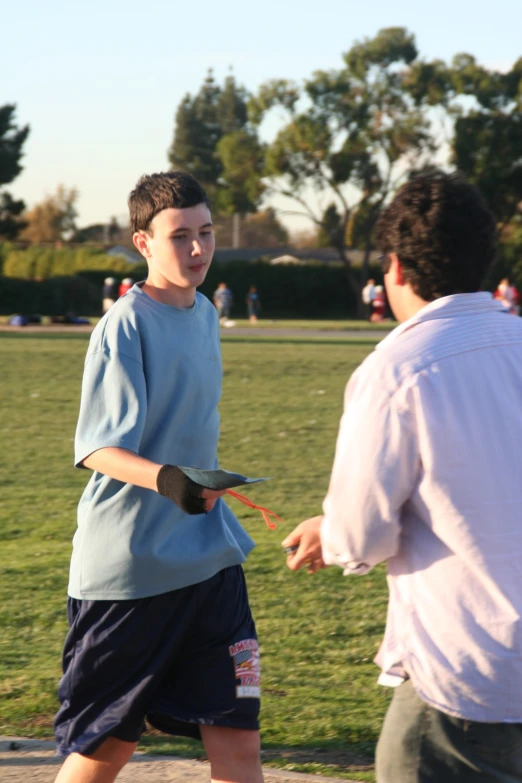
113	230
356	126
331	232
486	144
53	219
263	229
240	186
197	133
12	139
214	142
10	211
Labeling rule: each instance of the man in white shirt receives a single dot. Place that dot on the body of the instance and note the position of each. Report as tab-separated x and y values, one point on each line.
427	477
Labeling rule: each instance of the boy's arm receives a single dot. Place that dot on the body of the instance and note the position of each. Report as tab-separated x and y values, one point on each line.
129	468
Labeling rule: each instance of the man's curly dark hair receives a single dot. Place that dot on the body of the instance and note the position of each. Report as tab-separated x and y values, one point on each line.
443	233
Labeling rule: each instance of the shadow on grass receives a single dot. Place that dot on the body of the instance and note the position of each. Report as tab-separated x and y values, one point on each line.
280	340
334	758
45	335
349	758
30	761
345	340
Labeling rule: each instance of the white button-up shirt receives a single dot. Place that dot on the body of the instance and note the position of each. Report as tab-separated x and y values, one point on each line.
428	476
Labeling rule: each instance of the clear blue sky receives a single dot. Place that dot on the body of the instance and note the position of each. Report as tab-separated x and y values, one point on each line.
99	82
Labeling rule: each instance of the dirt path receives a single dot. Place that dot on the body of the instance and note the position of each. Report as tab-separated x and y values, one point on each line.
33	761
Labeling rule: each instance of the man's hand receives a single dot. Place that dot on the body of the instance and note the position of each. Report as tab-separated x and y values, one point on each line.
210	496
306	537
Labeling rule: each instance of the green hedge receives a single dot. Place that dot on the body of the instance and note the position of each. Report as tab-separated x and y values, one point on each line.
55	296
5	248
311	291
52	281
294	291
285	291
40	262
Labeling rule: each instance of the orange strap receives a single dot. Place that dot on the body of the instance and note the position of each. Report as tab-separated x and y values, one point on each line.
265	511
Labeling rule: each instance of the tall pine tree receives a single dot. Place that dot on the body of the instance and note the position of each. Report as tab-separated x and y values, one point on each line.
214	142
12	139
197	134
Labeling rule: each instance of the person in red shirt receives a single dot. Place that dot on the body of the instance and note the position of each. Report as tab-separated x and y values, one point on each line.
378	304
125	285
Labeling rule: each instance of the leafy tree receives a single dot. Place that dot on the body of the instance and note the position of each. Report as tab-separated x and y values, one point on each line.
197	133
232	112
53	218
96	232
256	229
485	110
12	139
263	229
103	233
10	211
331	230
487	144
240	185
214	142
357	126
113	230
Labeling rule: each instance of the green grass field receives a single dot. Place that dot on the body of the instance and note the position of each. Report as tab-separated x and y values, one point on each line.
322	708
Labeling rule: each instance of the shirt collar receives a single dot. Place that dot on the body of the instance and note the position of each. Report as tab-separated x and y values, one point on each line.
454	306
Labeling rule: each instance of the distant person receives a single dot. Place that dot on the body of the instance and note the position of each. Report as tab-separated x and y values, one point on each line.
426	478
378	305
223	301
368	295
160	624
509	296
125	285
110	293
253	304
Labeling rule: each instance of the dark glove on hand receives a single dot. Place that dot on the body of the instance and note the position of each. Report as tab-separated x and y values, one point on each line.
174	484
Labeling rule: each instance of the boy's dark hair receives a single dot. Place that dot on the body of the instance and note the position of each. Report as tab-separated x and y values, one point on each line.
443	233
156	192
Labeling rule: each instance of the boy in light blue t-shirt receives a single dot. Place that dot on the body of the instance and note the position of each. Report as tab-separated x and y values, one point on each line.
160	626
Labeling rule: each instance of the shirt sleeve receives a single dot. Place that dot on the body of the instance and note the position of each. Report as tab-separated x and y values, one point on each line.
375	470
113	405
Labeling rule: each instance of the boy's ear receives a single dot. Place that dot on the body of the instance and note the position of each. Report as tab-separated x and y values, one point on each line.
140	240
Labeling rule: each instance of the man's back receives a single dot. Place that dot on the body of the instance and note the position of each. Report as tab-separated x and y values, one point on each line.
454	598
426	477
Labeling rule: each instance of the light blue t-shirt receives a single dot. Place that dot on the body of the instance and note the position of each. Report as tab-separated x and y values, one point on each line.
151	384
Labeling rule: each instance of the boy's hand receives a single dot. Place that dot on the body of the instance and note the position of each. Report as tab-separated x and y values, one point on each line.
210	496
192	498
306	537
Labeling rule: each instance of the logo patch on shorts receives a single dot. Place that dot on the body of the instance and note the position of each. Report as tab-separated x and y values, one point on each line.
248	669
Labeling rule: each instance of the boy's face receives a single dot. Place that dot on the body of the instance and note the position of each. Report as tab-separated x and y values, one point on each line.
179	247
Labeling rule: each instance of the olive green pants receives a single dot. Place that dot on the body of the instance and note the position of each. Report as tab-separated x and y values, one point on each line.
419	744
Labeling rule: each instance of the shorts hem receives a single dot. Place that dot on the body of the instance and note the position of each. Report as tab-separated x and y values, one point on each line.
188	726
91	745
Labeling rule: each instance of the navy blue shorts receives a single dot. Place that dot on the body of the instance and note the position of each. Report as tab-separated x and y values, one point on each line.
176	660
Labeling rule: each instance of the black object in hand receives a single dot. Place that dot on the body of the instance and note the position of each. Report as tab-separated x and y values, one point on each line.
174	484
